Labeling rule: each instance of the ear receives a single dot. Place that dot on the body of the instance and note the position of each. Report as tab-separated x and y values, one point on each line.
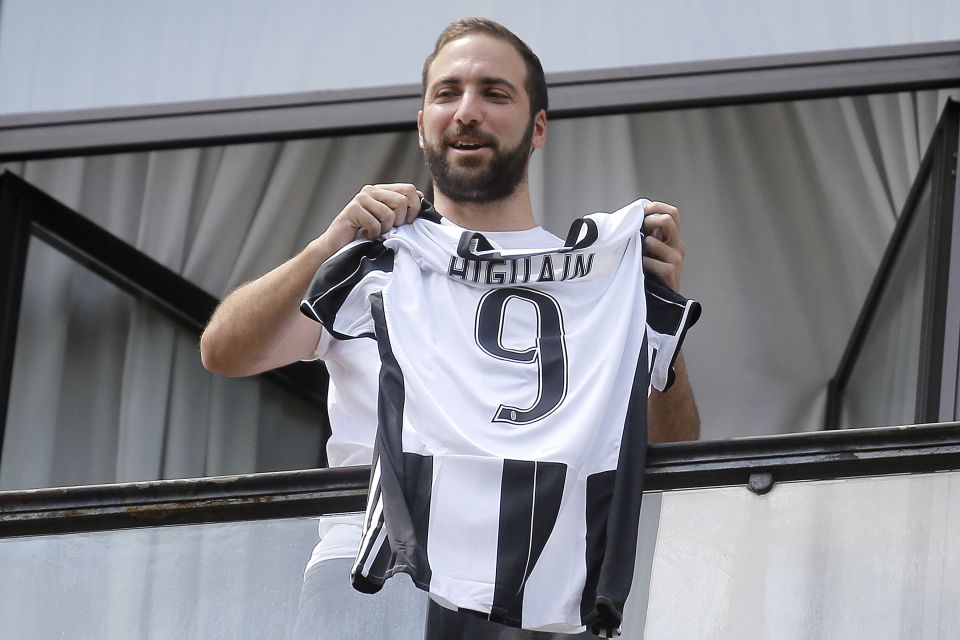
420	127
539	129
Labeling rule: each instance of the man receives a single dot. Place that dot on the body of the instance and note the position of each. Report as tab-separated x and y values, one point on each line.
484	113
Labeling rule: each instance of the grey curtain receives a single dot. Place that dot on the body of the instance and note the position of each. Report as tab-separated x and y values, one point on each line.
109	390
786	210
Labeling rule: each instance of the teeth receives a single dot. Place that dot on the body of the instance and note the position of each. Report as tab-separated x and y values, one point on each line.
466	145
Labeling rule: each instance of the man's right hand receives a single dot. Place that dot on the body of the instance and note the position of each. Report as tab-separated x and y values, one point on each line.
372	212
259	326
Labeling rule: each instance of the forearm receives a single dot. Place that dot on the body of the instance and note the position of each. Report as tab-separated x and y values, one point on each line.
672	415
259	325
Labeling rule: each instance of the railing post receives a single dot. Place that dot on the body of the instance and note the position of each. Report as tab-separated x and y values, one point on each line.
14	242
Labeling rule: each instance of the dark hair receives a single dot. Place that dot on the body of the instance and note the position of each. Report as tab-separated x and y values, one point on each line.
536	84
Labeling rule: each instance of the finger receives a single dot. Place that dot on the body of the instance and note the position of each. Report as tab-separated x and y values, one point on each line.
668	273
403	198
412	213
662	251
662	226
407	191
663	208
384	214
413	198
366	223
396	201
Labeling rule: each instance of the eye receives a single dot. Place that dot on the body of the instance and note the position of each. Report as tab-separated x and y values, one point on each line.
498	94
444	93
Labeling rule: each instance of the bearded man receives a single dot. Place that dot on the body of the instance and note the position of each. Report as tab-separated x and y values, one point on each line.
484	114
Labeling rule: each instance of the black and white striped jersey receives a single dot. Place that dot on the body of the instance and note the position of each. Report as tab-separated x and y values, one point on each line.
511	438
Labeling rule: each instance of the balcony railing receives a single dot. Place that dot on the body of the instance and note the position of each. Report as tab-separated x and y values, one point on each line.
829	534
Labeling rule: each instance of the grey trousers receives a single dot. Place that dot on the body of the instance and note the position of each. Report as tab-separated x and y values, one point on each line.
331	609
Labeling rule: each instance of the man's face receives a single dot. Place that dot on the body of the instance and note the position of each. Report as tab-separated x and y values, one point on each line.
475	127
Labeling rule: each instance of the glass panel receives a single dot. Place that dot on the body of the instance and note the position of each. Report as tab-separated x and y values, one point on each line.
848	558
231	581
882	389
858	558
108	390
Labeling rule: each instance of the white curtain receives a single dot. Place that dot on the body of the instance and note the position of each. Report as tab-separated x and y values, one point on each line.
786	210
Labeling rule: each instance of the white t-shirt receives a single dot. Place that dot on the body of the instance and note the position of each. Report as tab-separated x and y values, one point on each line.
511	425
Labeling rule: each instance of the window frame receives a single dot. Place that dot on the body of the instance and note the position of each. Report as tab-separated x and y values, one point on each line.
756	462
734	81
938	376
26	212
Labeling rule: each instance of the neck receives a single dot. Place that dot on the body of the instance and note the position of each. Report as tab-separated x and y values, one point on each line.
513	213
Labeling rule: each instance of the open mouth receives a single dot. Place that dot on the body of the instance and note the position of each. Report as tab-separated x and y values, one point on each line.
463	141
467	146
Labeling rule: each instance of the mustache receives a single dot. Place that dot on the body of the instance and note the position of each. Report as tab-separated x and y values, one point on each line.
472	133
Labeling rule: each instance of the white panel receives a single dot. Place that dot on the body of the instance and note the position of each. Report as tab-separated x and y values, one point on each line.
215	581
862	558
455	573
61	54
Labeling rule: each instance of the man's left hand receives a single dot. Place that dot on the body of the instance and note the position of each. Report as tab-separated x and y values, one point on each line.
663	248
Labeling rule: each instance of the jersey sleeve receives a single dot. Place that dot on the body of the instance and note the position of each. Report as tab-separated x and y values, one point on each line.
669	316
339	295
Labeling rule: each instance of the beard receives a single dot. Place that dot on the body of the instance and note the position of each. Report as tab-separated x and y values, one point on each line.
469	182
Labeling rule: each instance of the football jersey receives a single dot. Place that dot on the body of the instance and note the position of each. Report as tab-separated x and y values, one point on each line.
511	437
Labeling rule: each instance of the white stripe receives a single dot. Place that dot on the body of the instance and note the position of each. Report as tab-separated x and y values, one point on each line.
378	543
673	302
374	485
533	510
374	529
372	518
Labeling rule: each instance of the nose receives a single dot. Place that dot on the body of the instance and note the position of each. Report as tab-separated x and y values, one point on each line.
469	109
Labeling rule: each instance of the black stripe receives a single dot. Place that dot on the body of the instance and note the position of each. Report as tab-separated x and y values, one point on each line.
601	607
337	277
584	226
418	490
665	309
599	494
516	508
471	242
529	490
408	551
427	212
370	523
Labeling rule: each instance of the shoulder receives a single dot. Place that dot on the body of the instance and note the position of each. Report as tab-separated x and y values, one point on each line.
349	265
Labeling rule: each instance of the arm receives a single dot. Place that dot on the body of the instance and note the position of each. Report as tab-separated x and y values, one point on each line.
259	326
671	415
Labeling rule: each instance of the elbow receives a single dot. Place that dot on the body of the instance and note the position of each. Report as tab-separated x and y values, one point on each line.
214	357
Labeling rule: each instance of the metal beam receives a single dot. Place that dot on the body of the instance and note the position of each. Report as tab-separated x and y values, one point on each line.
119	263
572	94
741	461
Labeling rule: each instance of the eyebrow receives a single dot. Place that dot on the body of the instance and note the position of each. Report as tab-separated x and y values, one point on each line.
487	81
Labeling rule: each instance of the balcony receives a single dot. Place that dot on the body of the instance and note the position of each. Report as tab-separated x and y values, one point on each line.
834	534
